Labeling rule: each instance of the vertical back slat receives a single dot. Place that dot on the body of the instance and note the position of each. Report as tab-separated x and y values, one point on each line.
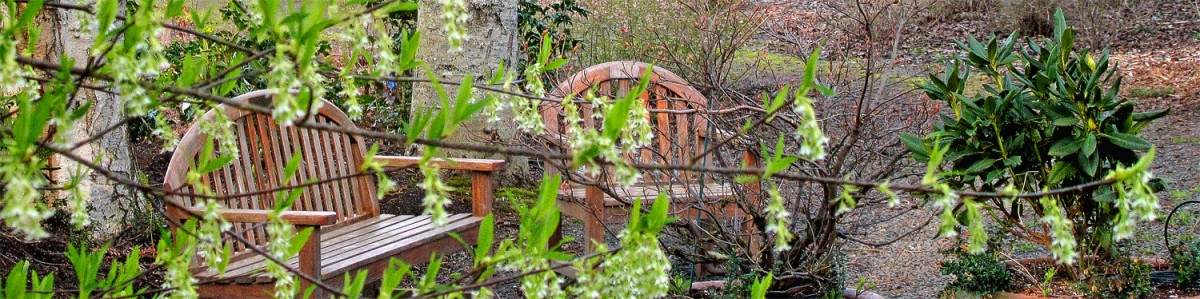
291	146
250	174
343	168
366	192
325	166
312	159
682	130
356	188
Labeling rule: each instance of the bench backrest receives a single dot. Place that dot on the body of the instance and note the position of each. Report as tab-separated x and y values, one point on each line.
265	148
677	136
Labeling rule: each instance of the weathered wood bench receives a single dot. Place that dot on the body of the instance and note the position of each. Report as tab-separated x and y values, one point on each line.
680	133
349	231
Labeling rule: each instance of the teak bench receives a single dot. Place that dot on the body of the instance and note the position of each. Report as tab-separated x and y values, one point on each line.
349	233
680	133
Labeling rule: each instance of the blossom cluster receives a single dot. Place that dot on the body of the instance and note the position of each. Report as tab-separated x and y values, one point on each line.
436	193
846	201
813	141
635	135
286	78
778	219
22	211
219	128
209	235
1062	245
526	112
131	63
638	270
544	284
1135	198
176	260
77	197
279	246
454	15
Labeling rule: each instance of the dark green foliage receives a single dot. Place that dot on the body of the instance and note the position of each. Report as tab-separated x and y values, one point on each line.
1185	260
1048	116
1127	279
22	283
553	20
981	273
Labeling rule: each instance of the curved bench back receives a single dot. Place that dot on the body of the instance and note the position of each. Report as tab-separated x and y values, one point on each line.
265	148
677	136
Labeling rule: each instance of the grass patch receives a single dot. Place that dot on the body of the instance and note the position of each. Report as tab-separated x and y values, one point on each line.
1184	218
1184	140
1026	247
772	62
1152	92
1183	194
511	197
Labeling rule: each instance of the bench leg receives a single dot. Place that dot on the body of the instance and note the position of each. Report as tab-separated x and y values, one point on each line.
593	226
310	262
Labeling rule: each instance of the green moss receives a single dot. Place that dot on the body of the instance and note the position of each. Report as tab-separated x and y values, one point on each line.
771	62
1184	140
1184	218
1153	92
511	197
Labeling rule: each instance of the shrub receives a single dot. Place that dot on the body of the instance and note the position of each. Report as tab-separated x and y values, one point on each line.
554	20
1049	117
1185	260
1127	279
981	273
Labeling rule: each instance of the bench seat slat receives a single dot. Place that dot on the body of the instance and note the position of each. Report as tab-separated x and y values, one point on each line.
355	246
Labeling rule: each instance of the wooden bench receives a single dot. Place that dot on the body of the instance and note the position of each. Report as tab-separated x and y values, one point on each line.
678	138
349	231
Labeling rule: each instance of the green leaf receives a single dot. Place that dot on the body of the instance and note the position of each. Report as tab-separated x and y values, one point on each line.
392	277
1065	147
485	238
402	6
297	241
981	165
1127	141
1144	116
554	65
14	287
106	12
746	179
1089	163
1089	144
32	8
353	287
544	53
759	289
658	215
1065	121
1060	23
174	8
1059	172
916	146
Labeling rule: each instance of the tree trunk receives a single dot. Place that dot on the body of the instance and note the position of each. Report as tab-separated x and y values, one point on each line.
493	40
111	205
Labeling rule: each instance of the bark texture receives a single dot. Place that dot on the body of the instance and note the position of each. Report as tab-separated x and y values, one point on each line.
493	40
112	206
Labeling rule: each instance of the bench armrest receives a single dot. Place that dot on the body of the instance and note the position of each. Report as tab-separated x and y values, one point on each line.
482	185
487	165
305	218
